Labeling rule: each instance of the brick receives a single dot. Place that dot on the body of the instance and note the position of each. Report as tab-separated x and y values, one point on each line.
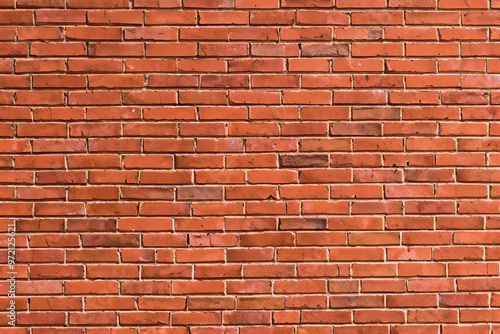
377	17
309	65
361	4
411	66
409	222
320	316
92	65
377	50
221	49
377	239
153	303
170	17
358	33
254	97
412	33
304	160
40	33
268	50
41	4
272	18
114	17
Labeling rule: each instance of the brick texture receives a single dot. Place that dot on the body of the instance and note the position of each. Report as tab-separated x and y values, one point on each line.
251	166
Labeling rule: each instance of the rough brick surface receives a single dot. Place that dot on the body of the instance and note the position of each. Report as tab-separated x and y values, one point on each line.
251	166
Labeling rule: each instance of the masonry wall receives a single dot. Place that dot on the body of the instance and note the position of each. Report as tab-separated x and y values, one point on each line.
251	166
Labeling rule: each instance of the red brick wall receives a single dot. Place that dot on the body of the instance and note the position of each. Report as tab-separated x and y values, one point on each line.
251	166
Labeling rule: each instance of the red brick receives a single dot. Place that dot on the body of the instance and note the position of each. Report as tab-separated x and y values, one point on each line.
321	316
